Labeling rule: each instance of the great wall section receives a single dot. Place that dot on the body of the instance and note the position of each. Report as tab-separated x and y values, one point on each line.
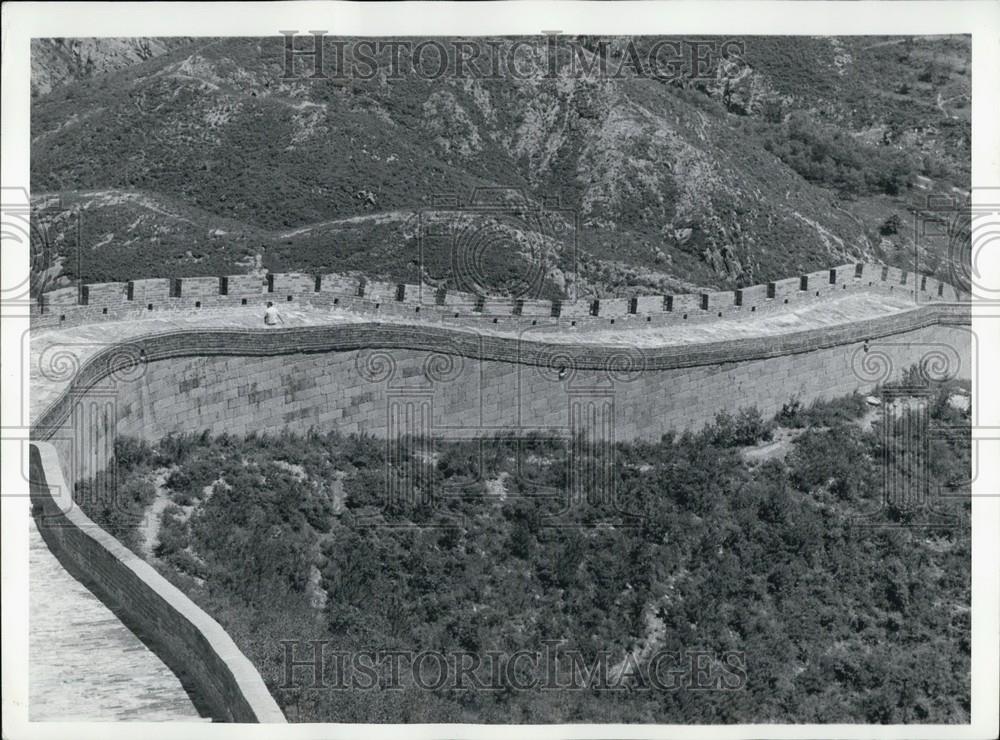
153	357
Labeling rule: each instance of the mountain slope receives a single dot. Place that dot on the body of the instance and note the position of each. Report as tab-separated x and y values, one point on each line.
57	62
790	156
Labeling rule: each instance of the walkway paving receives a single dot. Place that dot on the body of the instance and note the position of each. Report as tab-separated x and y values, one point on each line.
83	663
71	346
86	665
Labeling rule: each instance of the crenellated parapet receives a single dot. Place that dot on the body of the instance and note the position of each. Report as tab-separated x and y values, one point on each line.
407	361
124	300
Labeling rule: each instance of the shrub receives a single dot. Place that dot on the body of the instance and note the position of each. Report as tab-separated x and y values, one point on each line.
185	562
732	547
835	458
890	226
825	155
746	428
173	535
821	413
131	453
789	413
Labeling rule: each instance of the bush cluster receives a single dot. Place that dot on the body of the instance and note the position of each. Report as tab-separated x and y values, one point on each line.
838	623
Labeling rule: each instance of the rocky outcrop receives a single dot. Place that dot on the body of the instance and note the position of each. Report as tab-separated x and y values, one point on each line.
56	62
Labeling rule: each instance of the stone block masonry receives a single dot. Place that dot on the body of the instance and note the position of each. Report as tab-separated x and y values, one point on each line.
99	294
369	376
718	300
480	397
614	307
579	309
62	297
149	291
459	300
499	306
198	287
872	274
189	641
685	304
820	282
536	308
380	291
340	284
71	306
284	284
751	296
344	378
785	290
648	304
846	274
240	285
272	395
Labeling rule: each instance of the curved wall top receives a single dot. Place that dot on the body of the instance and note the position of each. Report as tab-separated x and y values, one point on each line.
530	333
405	317
120	359
187	639
100	301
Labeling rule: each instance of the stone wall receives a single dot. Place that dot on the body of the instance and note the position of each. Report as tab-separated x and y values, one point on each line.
191	643
355	391
442	379
137	298
353	378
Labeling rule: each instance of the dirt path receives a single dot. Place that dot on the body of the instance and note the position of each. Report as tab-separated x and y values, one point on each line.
378	217
149	531
779	446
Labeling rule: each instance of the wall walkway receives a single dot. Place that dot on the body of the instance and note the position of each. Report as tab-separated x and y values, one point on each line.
100	657
84	664
152	357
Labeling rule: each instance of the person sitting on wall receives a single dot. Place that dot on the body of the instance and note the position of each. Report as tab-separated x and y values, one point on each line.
271	315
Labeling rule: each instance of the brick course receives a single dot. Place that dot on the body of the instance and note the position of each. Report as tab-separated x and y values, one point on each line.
189	641
297	378
197	287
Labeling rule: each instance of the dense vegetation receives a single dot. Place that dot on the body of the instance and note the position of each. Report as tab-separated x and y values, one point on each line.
759	554
784	154
828	156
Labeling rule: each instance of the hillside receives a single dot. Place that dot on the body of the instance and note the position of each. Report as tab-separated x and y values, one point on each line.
57	62
735	551
792	155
